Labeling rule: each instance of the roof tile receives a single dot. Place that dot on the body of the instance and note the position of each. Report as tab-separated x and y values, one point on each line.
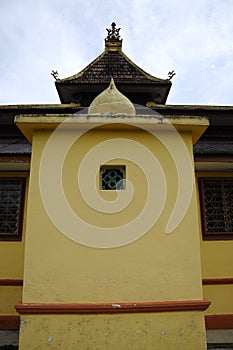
14	145
116	65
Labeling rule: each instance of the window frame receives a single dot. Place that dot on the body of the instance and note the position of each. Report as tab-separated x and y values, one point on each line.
103	168
19	222
207	236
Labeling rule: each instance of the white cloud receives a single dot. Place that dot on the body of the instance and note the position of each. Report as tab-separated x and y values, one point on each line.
194	38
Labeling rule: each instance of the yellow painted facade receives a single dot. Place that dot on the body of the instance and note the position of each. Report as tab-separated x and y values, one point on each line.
10	295
137	331
11	266
12	261
217	262
155	267
60	270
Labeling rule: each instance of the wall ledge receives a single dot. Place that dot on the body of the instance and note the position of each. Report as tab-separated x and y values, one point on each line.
111	308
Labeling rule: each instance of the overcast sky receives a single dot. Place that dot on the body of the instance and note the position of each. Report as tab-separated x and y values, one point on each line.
193	37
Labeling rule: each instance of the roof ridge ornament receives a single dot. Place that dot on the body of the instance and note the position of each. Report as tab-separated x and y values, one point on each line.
54	73
113	42
171	74
113	34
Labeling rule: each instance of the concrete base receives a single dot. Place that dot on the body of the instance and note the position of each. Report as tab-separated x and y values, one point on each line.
220	336
8	338
220	339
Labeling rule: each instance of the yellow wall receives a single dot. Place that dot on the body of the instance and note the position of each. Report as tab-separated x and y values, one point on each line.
12	253
156	267
220	297
217	262
183	330
12	261
9	296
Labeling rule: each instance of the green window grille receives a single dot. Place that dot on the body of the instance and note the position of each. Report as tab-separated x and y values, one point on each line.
112	178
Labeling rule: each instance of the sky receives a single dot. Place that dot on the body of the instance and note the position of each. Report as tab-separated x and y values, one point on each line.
194	38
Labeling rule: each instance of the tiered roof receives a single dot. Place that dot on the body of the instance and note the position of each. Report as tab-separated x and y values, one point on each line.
139	86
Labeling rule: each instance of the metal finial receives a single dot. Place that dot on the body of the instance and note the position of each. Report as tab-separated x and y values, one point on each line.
54	73
113	33
171	74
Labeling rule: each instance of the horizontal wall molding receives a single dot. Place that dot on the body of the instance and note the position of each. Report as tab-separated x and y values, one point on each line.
221	159
111	308
207	281
9	322
15	159
11	282
222	321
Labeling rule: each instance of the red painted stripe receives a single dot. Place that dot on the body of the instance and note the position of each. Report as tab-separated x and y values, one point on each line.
111	308
207	281
11	282
223	321
9	322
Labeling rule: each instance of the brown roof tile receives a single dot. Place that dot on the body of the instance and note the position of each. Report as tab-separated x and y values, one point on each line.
14	145
214	147
116	65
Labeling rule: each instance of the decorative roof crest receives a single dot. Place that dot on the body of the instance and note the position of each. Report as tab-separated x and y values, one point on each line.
54	73
113	34
171	74
113	40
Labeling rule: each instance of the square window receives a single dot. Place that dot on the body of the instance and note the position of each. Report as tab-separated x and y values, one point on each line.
216	200
112	177
11	208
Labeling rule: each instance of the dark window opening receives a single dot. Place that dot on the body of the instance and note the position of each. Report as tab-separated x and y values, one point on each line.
112	178
216	200
11	208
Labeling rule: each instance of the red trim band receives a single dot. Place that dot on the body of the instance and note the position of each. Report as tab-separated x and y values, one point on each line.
15	159
207	281
224	321
9	322
11	282
199	158
111	308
